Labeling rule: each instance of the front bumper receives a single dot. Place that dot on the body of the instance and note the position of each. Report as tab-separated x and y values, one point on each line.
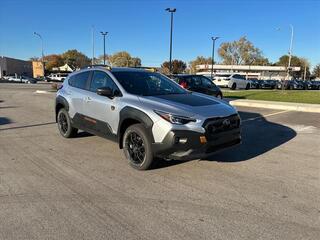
192	148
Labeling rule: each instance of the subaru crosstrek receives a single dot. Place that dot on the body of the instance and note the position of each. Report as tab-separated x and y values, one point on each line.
148	114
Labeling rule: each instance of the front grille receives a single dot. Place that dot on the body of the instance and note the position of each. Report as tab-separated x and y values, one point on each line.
223	124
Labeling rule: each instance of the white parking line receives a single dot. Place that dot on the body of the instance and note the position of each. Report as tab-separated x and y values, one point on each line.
267	115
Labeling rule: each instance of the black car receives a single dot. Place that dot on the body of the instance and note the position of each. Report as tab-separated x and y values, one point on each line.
198	83
269	84
291	85
255	83
310	85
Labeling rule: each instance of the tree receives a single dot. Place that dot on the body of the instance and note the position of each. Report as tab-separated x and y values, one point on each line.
123	59
198	61
316	71
241	52
75	59
295	62
178	66
34	59
53	60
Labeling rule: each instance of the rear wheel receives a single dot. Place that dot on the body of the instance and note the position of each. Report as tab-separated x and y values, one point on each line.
137	147
234	86
219	96
64	124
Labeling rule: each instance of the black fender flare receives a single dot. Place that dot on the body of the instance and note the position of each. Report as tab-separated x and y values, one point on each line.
133	114
60	101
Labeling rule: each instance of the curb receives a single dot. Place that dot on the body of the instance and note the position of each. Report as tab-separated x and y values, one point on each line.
300	107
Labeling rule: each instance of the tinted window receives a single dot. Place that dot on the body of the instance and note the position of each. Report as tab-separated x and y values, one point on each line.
206	82
79	80
147	83
102	79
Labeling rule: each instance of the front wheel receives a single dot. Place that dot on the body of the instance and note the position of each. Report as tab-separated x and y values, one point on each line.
64	124
137	147
234	86
248	86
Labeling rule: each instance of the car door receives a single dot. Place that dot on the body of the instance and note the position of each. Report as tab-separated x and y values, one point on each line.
102	112
76	92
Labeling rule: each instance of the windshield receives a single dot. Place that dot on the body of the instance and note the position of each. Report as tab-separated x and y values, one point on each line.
147	83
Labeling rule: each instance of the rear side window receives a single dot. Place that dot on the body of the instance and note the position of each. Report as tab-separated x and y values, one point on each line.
79	80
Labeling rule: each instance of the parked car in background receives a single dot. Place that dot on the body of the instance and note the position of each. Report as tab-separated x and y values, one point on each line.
232	81
255	84
309	85
268	84
198	83
290	85
21	79
56	77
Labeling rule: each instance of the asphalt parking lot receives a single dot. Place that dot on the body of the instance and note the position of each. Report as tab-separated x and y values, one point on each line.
83	188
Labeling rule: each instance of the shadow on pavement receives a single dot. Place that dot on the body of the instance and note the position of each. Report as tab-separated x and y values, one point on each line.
27	126
258	137
4	120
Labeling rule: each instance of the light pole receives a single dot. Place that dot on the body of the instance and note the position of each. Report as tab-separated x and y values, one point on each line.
290	52
42	54
212	59
104	46
37	34
171	10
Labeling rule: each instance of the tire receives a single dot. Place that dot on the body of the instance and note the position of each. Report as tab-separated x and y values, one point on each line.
219	96
234	86
248	86
135	138
64	124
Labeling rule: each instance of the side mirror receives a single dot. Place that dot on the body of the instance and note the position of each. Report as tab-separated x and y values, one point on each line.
105	91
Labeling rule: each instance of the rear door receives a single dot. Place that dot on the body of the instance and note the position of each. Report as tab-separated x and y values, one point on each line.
102	112
76	91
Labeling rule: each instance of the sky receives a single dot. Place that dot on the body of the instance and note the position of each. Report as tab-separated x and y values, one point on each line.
142	27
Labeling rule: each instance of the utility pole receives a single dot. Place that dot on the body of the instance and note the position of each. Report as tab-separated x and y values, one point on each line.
171	10
212	59
104	46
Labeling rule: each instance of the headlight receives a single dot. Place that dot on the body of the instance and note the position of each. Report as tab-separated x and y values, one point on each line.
180	120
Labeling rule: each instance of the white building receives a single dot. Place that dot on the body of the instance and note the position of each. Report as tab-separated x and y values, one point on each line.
249	71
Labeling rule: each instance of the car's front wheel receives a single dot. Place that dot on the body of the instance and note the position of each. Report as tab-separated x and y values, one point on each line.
64	124
137	147
248	86
234	86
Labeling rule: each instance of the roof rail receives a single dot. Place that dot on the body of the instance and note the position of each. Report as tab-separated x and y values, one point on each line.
98	65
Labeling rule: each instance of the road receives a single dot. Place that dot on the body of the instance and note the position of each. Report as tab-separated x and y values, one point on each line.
83	188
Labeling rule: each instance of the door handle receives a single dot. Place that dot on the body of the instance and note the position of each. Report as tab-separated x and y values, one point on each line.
87	99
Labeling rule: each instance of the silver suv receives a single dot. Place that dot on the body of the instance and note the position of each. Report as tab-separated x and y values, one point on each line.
148	114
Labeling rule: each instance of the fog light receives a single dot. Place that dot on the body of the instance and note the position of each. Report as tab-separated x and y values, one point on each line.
203	139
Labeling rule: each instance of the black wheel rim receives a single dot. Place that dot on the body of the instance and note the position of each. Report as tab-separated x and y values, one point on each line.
63	123
135	148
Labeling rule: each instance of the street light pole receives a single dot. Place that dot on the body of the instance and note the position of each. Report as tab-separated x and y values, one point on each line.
290	53
42	54
171	10
37	34
212	59
104	46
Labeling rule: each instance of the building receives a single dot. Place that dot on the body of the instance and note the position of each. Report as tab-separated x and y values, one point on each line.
249	71
38	69
64	68
12	66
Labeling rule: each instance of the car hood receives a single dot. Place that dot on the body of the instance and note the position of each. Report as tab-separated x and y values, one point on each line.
189	104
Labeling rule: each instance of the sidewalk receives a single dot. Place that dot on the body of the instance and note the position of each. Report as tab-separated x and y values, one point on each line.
302	107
